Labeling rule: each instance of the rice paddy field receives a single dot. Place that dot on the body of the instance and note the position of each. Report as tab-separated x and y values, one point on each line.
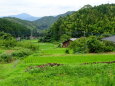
73	69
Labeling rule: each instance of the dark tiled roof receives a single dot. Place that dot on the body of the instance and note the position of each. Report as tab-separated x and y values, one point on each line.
112	38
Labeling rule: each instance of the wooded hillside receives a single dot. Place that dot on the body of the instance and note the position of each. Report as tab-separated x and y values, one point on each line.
13	28
87	21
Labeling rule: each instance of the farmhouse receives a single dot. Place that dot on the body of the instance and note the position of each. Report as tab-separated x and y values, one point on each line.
67	43
18	38
112	39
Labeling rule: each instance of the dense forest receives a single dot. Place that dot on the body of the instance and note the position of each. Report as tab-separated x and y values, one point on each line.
87	21
17	27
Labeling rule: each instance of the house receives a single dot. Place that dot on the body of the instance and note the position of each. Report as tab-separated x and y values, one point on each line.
18	38
67	43
112	39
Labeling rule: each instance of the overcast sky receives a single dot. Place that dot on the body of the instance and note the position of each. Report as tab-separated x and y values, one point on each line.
44	7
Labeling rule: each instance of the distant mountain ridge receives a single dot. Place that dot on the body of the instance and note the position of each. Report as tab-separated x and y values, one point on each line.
31	22
47	21
25	16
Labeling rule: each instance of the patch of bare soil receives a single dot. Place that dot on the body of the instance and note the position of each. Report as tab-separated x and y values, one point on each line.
44	65
110	62
49	64
9	51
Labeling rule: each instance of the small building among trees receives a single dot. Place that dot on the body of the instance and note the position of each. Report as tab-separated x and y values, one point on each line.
111	38
67	43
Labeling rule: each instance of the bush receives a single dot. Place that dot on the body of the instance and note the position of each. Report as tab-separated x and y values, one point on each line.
109	46
9	43
79	46
8	57
28	45
95	45
67	51
92	45
22	53
6	40
5	57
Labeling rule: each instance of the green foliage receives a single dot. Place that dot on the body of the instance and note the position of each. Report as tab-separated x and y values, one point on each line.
67	51
22	53
65	75
94	45
46	22
28	45
89	21
79	46
9	57
27	25
6	57
91	44
15	29
109	46
64	38
97	46
6	40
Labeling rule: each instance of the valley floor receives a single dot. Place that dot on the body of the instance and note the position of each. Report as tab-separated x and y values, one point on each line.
74	69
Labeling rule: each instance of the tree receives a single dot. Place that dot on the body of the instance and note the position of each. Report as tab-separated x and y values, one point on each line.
64	37
7	40
79	46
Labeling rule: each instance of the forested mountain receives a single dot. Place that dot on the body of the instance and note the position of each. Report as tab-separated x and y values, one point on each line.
87	21
46	22
13	28
17	27
25	16
27	24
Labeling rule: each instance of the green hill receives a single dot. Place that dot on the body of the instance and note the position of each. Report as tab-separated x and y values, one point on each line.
18	27
87	21
14	27
47	21
26	23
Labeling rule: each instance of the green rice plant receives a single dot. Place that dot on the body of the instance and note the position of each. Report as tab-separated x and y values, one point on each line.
69	58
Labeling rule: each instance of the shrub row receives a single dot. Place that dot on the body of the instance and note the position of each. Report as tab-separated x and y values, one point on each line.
28	45
91	45
8	57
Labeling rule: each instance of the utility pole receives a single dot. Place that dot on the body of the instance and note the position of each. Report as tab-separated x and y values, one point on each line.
84	33
31	34
85	45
